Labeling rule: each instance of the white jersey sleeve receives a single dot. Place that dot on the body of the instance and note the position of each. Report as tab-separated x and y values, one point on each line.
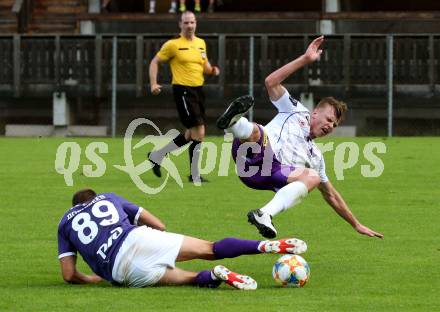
286	103
321	170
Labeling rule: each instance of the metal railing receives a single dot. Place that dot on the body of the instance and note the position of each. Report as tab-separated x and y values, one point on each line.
349	62
23	10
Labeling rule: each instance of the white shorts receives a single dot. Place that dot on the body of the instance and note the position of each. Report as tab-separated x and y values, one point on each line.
145	255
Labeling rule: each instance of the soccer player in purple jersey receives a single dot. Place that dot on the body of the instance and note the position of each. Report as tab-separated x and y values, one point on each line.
283	154
127	245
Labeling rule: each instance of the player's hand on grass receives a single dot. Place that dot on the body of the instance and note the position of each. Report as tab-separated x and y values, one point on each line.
94	279
155	89
362	229
313	52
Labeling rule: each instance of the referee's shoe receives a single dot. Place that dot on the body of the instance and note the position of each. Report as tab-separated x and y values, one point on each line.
156	166
198	179
238	108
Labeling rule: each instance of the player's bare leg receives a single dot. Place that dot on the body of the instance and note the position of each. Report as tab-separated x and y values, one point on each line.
195	133
308	177
194	248
230	247
208	278
177	276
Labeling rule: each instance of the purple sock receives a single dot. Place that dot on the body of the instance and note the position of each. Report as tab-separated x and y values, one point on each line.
233	247
204	279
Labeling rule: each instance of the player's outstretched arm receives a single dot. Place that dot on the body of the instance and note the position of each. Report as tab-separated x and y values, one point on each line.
147	218
72	275
335	200
274	80
155	88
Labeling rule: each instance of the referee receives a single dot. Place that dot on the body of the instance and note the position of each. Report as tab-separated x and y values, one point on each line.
189	62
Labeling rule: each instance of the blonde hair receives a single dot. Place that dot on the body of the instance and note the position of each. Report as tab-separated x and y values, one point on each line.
339	106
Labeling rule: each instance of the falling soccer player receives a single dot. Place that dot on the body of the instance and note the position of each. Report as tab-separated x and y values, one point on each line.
288	160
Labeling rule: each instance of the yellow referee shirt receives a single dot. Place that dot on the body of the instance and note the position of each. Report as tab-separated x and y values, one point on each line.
186	58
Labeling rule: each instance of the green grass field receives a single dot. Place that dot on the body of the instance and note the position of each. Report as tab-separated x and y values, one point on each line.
350	272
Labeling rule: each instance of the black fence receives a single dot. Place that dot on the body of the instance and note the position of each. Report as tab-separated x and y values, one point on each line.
83	64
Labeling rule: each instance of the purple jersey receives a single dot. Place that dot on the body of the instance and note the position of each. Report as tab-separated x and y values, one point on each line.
96	230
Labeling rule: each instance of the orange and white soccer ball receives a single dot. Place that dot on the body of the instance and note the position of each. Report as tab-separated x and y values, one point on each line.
291	271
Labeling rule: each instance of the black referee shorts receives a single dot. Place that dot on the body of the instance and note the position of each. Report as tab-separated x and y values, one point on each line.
190	105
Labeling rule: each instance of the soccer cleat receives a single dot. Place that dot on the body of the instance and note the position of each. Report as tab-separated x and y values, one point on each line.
284	246
182	8
197	8
156	166
263	222
172	10
235	111
236	280
197	179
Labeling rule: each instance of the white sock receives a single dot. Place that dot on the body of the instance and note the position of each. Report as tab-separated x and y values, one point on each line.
260	245
152	5
173	5
242	129
287	196
215	278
